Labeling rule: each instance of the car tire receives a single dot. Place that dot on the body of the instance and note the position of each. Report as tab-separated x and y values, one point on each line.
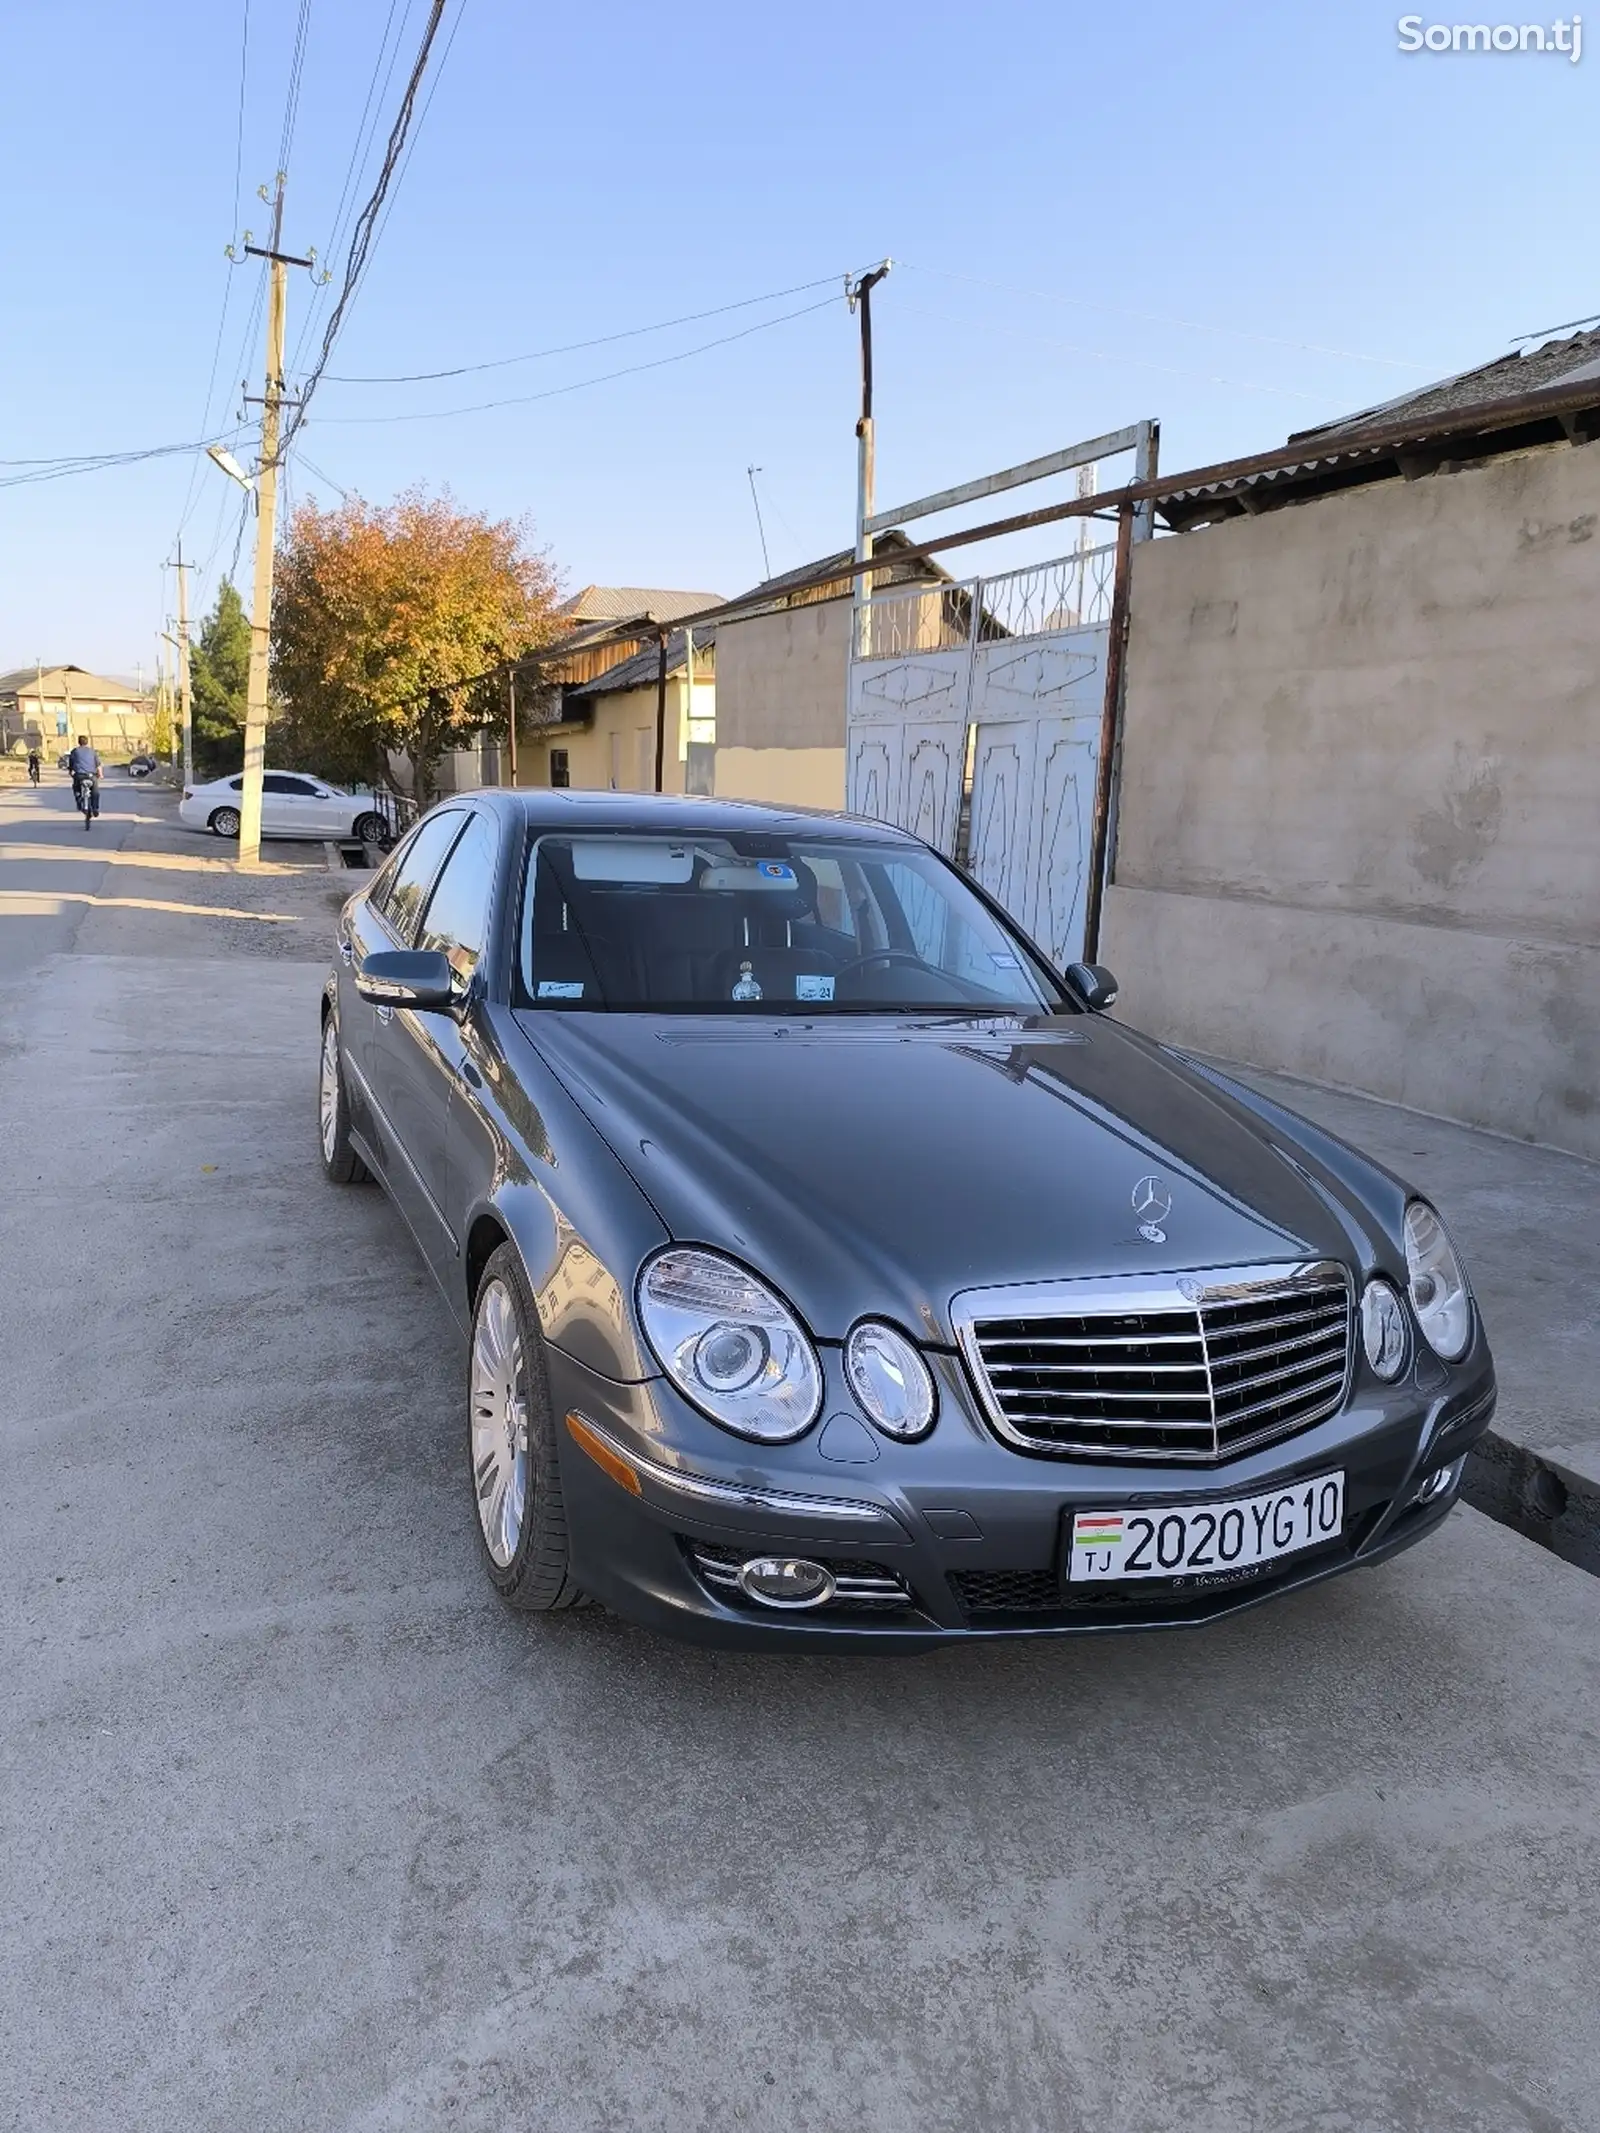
339	1158
370	829
224	822
512	1465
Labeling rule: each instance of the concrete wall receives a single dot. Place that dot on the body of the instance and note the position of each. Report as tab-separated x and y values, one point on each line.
781	682
618	752
791	777
1359	833
781	678
116	728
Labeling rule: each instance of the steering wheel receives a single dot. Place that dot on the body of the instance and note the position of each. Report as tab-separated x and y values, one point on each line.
887	955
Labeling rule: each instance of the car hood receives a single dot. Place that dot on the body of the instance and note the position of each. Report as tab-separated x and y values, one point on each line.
881	1167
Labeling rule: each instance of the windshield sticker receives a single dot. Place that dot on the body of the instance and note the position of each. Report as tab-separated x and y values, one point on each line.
778	870
817	988
559	989
747	988
1003	960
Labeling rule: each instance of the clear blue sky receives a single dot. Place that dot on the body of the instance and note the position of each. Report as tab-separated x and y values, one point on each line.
1241	218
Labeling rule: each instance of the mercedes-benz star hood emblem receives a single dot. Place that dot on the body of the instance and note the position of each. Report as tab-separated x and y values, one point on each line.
1152	1203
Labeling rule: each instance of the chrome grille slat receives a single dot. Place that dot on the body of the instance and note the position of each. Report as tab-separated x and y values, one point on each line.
1315	1361
1259	1407
1141	1368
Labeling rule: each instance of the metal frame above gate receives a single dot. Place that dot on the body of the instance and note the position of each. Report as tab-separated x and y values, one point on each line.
984	715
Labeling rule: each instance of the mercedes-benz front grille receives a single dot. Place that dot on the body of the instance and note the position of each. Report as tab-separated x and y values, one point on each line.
1195	1368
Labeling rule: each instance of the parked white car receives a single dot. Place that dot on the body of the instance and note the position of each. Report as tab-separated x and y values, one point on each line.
293	804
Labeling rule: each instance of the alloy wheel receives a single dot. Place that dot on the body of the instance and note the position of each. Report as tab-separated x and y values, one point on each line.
328	1090
499	1423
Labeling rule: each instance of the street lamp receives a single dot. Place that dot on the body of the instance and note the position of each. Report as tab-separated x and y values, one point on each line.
220	456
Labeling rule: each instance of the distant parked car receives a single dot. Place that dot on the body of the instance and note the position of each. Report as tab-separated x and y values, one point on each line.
293	804
140	766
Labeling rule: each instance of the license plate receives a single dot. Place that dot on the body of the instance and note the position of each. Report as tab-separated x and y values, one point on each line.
1202	1541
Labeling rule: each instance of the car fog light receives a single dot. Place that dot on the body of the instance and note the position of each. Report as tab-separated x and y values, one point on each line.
786	1581
1440	1482
1383	1330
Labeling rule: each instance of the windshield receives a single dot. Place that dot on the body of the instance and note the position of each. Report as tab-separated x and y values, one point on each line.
762	925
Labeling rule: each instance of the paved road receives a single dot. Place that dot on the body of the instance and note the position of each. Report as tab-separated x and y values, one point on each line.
301	1832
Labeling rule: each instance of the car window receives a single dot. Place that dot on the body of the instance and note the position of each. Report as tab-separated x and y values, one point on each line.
418	863
831	923
456	922
236	785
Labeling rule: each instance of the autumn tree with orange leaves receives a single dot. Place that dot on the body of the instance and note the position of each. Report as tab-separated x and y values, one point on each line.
381	617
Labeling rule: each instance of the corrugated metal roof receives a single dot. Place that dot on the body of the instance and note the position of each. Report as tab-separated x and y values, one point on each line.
1337	453
1524	371
621	603
885	545
643	669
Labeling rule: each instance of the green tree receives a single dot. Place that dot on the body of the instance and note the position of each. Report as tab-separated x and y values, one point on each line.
219	674
381	616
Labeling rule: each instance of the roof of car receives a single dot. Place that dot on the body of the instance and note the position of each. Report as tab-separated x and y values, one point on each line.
675	813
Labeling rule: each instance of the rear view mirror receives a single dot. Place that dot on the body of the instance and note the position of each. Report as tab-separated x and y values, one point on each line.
1094	984
407	977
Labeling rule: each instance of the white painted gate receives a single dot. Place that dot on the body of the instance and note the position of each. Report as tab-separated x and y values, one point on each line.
1013	668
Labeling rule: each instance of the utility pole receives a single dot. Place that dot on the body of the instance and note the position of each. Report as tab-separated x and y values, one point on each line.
255	716
661	706
511	724
185	710
859	295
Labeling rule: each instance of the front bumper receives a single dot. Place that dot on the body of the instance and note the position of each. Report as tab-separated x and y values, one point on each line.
957	1537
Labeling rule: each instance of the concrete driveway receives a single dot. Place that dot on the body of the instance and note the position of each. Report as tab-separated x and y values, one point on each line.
302	1832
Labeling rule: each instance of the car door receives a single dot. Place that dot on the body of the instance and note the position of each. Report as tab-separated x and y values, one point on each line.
402	1050
456	925
278	804
331	812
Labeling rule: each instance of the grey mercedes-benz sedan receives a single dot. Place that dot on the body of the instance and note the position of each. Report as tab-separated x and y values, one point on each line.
835	1272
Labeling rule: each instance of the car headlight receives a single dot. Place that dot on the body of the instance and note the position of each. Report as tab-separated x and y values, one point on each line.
1439	1293
1383	1330
890	1380
730	1345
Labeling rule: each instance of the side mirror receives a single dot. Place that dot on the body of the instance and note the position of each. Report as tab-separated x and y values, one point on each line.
1094	984
408	977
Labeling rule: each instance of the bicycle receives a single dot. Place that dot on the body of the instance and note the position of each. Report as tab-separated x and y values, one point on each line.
86	797
33	770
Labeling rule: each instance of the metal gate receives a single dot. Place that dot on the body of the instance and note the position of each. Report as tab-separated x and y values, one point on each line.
976	712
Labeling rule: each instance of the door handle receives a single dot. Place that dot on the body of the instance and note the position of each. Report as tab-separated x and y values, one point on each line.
384	1014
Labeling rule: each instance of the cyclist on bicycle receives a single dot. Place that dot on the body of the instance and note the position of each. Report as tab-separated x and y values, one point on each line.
33	765
84	764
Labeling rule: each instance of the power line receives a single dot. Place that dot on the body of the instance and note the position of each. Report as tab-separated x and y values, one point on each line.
366	126
555	392
422	118
1186	325
600	340
1105	355
94	462
297	61
362	237
311	467
227	287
